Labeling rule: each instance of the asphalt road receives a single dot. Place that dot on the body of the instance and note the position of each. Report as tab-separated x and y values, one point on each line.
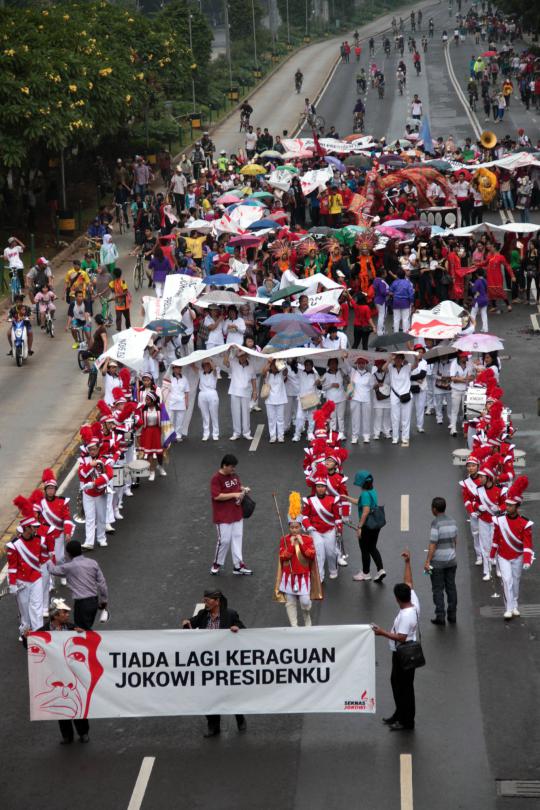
477	698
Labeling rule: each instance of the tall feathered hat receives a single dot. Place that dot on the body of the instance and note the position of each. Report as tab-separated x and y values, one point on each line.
295	506
322	415
489	466
486	377
306	246
281	249
495	412
48	478
494	393
496	432
125	376
105	411
119	395
128	409
339	454
516	490
35	499
88	436
26	508
366	240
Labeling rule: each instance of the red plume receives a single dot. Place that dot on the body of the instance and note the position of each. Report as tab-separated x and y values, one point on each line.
104	409
35	498
86	434
495	412
48	475
128	409
125	376
495	393
486	377
24	506
517	489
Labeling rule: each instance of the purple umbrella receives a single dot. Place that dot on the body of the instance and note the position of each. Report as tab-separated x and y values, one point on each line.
334	161
322	317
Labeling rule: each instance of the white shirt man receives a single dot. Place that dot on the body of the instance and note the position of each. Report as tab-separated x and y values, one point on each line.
178	402
250	141
12	254
242	389
334	389
362	382
399	373
461	372
335	340
416	108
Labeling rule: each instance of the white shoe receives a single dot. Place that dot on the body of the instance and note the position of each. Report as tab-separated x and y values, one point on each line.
342	560
162	472
118	516
404	444
178	439
88	546
421	430
234	437
379	576
515	612
361	577
281	439
152	476
366	439
296	438
486	578
205	438
354	440
248	436
128	493
376	436
103	544
215	438
478	561
334	575
310	436
272	441
508	614
45	613
109	528
63	580
394	441
387	435
341	437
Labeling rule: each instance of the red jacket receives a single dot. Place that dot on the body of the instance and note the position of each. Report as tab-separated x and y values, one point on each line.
25	558
512	537
489	503
56	516
469	493
294	569
322	514
94	484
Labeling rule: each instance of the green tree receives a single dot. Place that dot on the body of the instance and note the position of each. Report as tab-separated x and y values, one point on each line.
241	18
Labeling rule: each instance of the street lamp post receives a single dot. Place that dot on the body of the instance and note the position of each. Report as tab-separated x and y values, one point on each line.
307	23
254	33
228	40
288	25
190	17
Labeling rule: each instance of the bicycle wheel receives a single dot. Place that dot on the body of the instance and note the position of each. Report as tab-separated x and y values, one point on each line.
50	327
80	360
137	275
92	380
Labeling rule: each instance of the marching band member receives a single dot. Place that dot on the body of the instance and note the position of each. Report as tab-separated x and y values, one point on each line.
147	383
419	385
469	493
208	399
178	399
309	383
242	391
47	541
150	438
275	377
55	515
381	401
109	449
94	476
125	430
362	382
488	500
512	545
25	555
321	517
298	577
333	385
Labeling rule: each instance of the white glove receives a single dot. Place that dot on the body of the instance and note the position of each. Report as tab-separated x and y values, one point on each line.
526	566
13	589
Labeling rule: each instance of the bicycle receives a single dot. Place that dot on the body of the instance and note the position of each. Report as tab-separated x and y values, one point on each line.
138	271
358	122
244	123
401	85
14	284
121	216
92	249
49	323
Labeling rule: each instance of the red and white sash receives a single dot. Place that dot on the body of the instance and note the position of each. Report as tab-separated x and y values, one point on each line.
27	556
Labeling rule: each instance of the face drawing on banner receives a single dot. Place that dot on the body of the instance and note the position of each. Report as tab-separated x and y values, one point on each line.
66	691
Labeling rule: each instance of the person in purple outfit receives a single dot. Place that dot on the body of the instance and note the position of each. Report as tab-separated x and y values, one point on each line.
480	299
402	292
380	290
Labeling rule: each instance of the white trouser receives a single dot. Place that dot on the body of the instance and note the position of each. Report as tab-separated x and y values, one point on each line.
420	408
337	420
209	408
402	316
327	550
301	417
118	495
291	606
456	404
476	535
240	415
46	584
360	415
229	536
382	422
95	512
483	314
430	399
401	418
159	285
276	422
186	348
510	575
109	513
130	456
290	411
381	309
440	396
188	414
59	549
177	419
30	604
485	538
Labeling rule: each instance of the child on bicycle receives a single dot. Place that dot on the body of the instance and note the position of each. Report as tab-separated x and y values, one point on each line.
44	299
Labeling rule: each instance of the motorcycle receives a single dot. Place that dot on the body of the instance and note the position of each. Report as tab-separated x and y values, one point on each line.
19	341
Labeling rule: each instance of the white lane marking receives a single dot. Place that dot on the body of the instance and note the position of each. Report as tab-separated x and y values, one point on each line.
404	516
470	115
141	784
256	439
535	324
405	781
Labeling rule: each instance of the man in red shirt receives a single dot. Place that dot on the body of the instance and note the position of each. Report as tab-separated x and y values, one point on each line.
227	494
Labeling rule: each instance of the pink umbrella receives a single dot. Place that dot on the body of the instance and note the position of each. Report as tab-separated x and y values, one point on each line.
322	317
301	153
244	240
391	233
228	199
479	343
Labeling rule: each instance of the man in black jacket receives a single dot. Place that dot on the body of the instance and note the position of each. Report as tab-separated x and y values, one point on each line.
216	616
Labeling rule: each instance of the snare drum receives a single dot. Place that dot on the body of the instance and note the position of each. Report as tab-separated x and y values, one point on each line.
309	401
118	475
475	401
459	457
139	468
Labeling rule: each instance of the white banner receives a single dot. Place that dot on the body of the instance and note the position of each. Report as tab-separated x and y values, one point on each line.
317	178
186	287
328	144
151	673
159	308
128	347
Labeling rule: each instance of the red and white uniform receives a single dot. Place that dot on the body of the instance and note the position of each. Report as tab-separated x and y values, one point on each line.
469	493
488	505
507	471
55	515
24	559
296	578
513	547
336	485
322	519
94	485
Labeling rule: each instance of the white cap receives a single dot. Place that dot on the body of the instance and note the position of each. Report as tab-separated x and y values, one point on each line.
58	604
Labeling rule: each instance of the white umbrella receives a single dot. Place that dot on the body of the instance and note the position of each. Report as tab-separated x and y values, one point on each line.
479	343
220	297
449	309
200	225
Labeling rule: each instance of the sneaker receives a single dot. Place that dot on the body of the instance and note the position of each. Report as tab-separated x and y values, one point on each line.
109	528
333	575
88	547
257	408
248	436
361	577
404	444
354	440
205	438
508	614
379	576
376	436
478	561
420	430
118	516
75	346
215	569
103	544
272	441
215	438
387	435
394	441
234	437
486	578
366	439
243	570
342	560
162	472
296	438
341	437
281	439
152	476
128	494
310	436
515	612
63	580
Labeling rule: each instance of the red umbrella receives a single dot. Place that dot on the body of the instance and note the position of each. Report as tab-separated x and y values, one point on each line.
245	240
489	53
466	172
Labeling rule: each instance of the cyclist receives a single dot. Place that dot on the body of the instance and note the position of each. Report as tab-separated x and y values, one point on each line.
386	43
358	115
371	46
403	67
431	26
208	148
246	111
121	199
98	345
472	90
78	317
417	61
400	76
424	43
356	37
12	254
444	38
37	276
298	80
401	44
379	83
309	112
361	81
373	72
20	312
96	230
45	300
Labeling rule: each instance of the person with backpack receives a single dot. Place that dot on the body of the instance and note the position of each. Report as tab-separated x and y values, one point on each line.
371	519
37	276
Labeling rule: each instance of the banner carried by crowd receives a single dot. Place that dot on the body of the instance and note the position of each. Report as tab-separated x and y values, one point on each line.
151	673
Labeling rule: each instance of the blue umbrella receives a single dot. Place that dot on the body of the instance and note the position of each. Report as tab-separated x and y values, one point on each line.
334	161
285	320
290	338
222	280
261	224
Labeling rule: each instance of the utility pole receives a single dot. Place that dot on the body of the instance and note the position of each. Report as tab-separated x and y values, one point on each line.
254	33
228	40
190	18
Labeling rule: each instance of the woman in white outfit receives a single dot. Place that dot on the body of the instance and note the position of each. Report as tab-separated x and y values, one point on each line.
178	400
333	385
399	372
275	377
214	324
209	400
242	391
234	327
381	401
292	386
309	384
419	385
362	382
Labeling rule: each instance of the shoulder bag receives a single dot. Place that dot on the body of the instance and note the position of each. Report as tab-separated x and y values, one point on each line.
404	398
410	654
376	518
248	506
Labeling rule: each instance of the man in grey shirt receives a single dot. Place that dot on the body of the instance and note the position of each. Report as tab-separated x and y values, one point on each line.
441	562
86	582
